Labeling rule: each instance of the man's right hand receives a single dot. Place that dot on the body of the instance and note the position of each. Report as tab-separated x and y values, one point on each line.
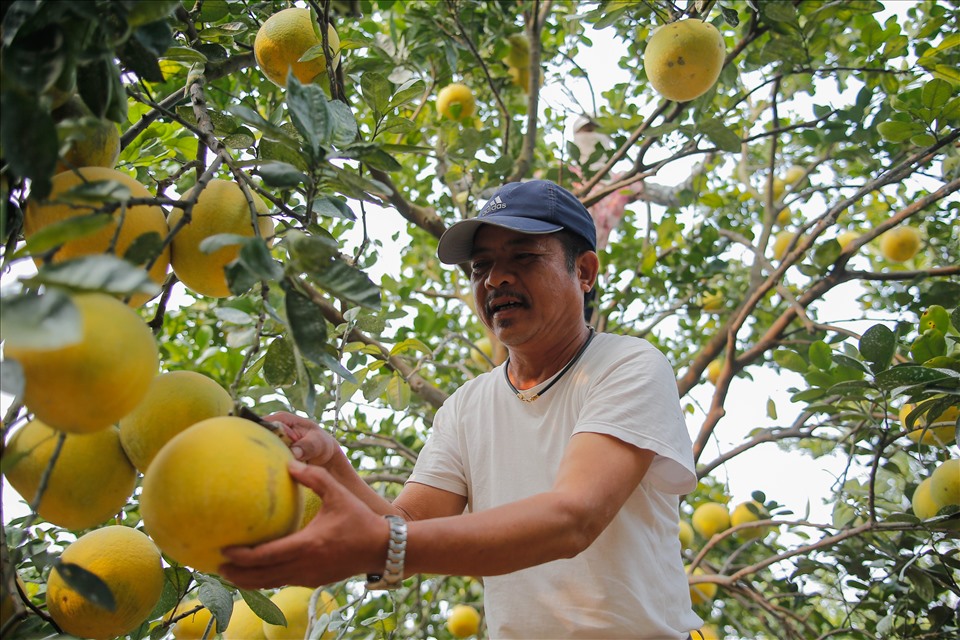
309	443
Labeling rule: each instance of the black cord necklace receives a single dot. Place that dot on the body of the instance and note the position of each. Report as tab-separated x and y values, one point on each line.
569	365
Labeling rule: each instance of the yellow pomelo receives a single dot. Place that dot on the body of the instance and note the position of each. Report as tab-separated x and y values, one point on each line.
683	59
518	56
311	506
482	356
846	238
781	242
707	632
702	592
175	400
91	479
784	217
794	175
710	519
900	243
221	208
743	513
244	623
686	535
945	484
129	564
86	141
220	483
463	621
455	102
134	222
283	39
942	431
713	371
922	502
193	625
294	602
89	385
712	301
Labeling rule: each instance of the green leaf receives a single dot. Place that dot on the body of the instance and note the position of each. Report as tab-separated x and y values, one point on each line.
98	272
877	346
282	175
307	326
87	583
821	355
308	111
408	345
790	360
406	92
58	233
28	138
255	256
279	364
898	131
398	392
217	599
265	609
255	120
908	376
936	94
345	129
935	317
332	207
778	11
349	283
720	135
376	90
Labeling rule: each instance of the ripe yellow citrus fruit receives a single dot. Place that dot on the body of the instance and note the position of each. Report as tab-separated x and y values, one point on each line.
702	592
780	244
942	431
784	217
683	59
712	301
713	371
463	621
710	519
743	513
283	39
707	632
846	238
244	623
129	564
85	140
518	56
175	400
194	625
91	478
686	535
134	221
945	484
294	602
221	208
311	506
900	243
220	483
794	175
89	385
922	502
455	102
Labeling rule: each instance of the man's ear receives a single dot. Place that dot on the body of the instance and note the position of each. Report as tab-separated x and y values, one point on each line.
588	266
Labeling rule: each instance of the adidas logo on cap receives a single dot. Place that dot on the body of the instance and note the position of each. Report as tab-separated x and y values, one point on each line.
494	205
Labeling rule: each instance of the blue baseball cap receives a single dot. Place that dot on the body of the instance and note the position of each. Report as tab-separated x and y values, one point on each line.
535	206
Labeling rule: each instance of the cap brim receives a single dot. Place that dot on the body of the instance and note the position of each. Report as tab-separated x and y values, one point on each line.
456	243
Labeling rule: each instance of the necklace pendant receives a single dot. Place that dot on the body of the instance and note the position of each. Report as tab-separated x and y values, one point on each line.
525	399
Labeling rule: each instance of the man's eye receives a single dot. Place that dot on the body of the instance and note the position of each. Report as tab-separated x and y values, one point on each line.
478	267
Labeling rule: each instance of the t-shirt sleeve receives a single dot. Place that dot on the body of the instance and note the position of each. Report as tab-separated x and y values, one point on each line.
636	401
440	463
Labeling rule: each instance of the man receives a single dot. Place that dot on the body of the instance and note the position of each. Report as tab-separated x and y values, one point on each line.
555	476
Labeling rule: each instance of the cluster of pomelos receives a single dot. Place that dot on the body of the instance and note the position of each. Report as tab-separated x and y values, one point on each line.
103	413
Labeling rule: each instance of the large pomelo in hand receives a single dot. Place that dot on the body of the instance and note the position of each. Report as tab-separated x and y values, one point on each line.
91	478
128	563
683	59
89	385
222	482
136	223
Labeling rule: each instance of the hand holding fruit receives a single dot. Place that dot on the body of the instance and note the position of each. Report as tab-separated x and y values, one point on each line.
346	539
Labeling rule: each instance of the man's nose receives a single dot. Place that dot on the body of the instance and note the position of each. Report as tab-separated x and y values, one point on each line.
499	275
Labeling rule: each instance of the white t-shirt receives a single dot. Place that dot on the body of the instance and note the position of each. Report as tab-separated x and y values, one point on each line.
494	449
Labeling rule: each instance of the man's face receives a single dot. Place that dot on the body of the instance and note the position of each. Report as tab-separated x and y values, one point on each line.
522	286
